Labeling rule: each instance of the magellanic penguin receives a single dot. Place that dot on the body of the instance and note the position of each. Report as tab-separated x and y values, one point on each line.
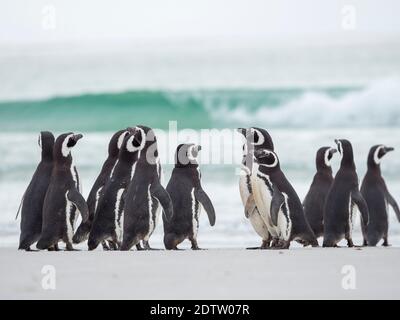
343	195
63	199
32	201
82	233
378	197
287	213
145	196
259	139
107	223
187	197
314	201
246	192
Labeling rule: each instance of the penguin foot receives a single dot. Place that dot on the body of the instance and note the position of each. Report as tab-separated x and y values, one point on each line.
386	243
197	248
350	243
139	247
69	247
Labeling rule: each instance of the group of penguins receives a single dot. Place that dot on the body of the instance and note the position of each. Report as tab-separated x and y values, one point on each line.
279	217
123	206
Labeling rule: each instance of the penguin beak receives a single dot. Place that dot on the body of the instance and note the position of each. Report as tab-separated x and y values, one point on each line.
388	149
198	148
77	137
337	141
131	129
242	131
332	151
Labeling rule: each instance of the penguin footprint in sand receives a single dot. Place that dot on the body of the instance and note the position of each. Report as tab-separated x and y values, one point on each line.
188	197
63	199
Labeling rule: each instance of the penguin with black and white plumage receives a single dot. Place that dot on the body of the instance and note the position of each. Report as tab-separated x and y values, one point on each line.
108	220
32	201
246	192
63	199
260	139
342	197
314	201
188	197
82	233
378	197
145	196
286	210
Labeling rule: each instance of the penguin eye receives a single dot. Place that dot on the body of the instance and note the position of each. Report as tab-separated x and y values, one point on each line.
270	159
329	155
136	141
256	137
71	142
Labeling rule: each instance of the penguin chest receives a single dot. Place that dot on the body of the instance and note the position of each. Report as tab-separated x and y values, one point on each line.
69	218
284	221
195	212
262	192
118	214
153	208
352	212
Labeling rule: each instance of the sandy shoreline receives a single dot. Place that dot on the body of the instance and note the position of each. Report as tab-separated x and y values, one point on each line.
209	274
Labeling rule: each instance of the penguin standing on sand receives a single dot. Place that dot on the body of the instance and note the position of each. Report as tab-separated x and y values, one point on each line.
259	139
343	195
377	196
107	224
246	192
314	201
286	210
63	199
114	146
187	197
145	196
32	202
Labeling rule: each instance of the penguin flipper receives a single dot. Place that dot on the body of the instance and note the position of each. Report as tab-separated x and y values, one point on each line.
205	201
250	206
394	205
276	203
359	200
158	191
79	202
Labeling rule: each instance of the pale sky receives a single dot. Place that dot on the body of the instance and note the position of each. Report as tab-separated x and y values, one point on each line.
80	21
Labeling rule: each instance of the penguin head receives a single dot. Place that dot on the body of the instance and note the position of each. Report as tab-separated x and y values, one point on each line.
324	157
376	153
116	143
259	138
64	143
134	141
345	151
267	159
150	148
46	144
186	155
247	148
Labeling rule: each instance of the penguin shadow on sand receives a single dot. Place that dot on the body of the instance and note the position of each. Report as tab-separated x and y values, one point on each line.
63	200
377	196
31	206
188	197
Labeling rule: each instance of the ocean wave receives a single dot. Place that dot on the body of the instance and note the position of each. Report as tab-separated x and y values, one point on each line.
377	105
